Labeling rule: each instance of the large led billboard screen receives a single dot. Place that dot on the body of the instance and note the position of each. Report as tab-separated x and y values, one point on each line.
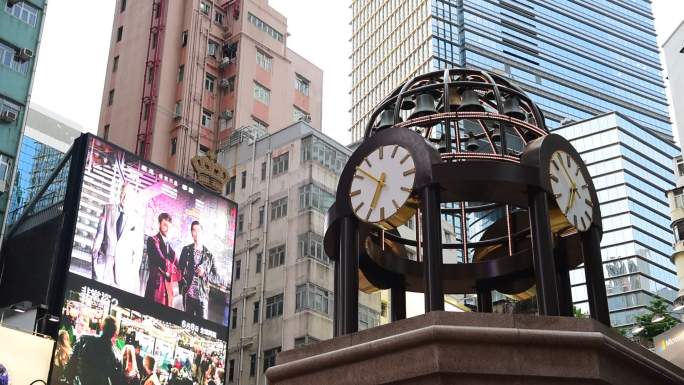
148	289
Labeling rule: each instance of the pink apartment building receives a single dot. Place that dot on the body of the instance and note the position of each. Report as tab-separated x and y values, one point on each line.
184	74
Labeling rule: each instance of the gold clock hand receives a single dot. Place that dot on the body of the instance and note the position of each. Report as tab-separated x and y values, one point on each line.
367	174
567	174
380	185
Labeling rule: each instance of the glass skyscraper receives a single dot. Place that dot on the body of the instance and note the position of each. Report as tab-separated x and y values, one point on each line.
575	59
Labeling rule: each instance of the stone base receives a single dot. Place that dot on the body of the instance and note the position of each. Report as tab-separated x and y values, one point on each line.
476	348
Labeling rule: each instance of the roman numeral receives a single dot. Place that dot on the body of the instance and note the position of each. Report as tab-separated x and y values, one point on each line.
357	176
569	159
577	172
557	195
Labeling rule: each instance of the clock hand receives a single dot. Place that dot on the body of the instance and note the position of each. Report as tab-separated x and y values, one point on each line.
376	195
367	174
567	174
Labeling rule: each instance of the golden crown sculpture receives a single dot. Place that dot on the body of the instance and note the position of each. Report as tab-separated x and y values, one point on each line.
208	172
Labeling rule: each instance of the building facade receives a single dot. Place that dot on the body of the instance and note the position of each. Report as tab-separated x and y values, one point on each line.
282	280
574	60
47	137
183	75
673	51
676	200
21	24
632	170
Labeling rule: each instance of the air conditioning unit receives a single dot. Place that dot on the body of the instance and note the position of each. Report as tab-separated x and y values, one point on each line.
8	116
224	83
3	186
12	2
227	115
24	54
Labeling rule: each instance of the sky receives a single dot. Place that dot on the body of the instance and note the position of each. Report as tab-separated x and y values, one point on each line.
73	54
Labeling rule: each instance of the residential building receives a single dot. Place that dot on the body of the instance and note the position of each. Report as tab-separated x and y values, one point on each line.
21	24
631	167
284	182
575	60
676	199
673	51
47	137
182	75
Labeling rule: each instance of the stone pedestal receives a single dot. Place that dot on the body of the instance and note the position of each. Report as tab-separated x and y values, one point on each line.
476	348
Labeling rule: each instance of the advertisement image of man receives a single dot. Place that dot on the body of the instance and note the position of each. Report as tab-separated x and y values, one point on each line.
113	234
93	360
198	270
160	255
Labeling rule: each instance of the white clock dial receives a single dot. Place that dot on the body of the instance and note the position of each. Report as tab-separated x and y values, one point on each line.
571	190
382	183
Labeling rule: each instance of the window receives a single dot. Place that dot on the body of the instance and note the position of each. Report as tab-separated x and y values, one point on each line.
231	370
316	149
181	72
230	186
154	39
311	246
174	145
119	34
252	365
24	12
680	166
264	61
5	167
312	297
205	8
281	163
240	223
259	261
115	64
231	84
274	306
209	81
238	264
106	132
261	216
261	93
212	48
368	318
276	256
299	114
270	357
146	111
303	341
178	109
255	312
265	27
312	196
243	179
218	18
184	38
206	118
259	125
110	98
123	6
279	208
678	231
679	200
233	318
302	85
8	58
263	170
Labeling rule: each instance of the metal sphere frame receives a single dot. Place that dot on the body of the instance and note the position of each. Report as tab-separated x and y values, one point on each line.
492	153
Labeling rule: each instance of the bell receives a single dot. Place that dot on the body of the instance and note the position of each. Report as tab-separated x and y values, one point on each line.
470	102
530	135
496	134
386	118
425	105
511	107
472	145
408	104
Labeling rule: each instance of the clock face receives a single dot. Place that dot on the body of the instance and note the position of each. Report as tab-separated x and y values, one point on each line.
382	183
570	190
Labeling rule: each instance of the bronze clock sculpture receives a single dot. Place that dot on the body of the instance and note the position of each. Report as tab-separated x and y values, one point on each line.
470	148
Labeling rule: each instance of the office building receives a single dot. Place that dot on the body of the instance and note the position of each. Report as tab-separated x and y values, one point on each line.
673	51
47	137
632	170
183	75
676	199
21	24
282	280
575	60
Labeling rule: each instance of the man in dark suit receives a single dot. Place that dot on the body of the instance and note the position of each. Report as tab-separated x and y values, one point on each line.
197	269
115	223
93	359
160	255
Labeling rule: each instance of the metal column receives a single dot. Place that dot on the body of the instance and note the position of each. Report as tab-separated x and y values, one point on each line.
542	255
347	279
593	269
432	249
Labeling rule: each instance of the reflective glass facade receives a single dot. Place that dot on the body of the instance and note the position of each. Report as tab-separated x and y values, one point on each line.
632	169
